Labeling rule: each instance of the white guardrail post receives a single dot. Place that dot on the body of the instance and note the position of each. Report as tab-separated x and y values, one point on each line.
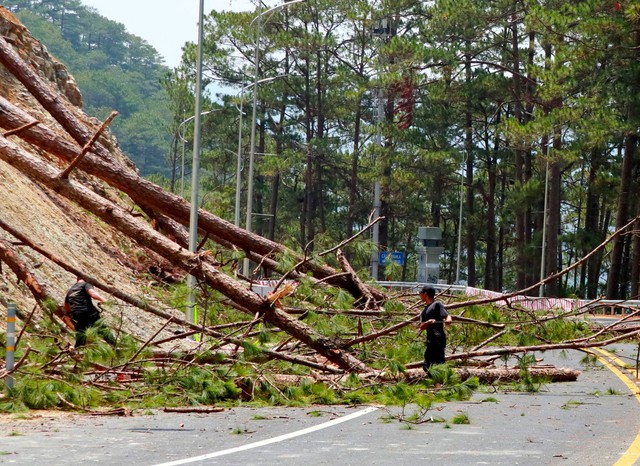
11	342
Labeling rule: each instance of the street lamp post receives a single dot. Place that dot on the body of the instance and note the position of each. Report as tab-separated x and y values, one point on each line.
192	315
544	229
239	167
459	253
383	30
258	18
181	135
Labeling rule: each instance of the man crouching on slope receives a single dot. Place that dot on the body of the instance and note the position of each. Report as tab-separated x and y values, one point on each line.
84	314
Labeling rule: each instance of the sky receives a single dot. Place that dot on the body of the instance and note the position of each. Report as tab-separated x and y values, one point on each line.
165	24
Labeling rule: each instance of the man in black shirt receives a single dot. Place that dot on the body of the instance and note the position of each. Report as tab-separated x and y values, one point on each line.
433	318
78	302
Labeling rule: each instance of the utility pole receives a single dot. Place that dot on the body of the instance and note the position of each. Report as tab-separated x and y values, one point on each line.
384	31
376	193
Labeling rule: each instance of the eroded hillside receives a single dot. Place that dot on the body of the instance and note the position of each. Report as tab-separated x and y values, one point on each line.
53	222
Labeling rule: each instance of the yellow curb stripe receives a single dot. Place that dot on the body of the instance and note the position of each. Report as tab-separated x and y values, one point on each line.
633	452
624	367
621	364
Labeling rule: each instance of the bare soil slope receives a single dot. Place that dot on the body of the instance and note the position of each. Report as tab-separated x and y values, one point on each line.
53	222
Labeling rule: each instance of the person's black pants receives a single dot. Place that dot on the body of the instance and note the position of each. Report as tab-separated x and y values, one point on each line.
434	353
82	323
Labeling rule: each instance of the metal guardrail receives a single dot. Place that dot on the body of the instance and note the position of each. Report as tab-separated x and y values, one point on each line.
418	286
265	286
631	303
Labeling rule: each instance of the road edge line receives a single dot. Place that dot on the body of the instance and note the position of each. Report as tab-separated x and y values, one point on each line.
279	438
632	454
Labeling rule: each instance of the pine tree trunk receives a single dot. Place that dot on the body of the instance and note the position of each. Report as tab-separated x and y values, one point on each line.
355	158
553	220
635	258
629	161
622	215
593	234
491	264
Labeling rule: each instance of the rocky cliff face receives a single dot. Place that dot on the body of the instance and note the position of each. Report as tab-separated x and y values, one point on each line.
53	222
36	54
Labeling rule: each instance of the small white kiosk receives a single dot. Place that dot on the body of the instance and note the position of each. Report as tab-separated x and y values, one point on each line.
429	250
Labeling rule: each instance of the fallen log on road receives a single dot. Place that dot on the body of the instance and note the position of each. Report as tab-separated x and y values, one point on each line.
486	375
193	409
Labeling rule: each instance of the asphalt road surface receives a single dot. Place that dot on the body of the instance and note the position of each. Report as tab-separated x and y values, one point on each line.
594	421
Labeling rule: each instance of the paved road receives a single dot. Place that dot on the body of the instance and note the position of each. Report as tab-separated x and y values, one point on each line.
594	421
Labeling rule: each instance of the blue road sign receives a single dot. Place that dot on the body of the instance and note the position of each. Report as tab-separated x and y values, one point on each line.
396	256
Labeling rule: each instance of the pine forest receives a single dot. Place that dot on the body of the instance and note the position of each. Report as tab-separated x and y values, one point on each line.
510	125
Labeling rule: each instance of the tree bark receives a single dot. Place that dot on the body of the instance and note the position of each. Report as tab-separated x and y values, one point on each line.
512	374
635	254
550	250
622	215
498	351
626	178
485	375
593	233
38	291
491	263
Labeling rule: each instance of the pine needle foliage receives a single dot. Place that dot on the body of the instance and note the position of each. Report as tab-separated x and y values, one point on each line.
461	418
203	388
55	378
528	382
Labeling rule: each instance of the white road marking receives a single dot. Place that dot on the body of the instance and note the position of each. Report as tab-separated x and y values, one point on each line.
280	438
